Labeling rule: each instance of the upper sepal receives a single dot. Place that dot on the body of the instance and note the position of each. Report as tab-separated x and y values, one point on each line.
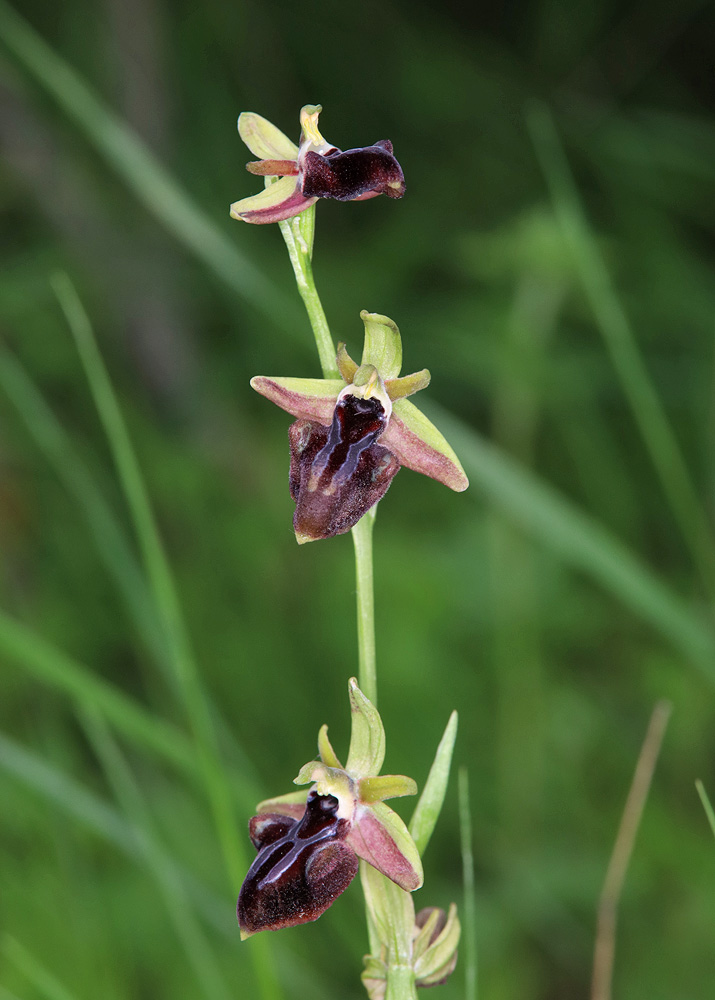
367	738
383	344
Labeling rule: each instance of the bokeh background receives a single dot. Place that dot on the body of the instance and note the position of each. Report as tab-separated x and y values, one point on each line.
552	265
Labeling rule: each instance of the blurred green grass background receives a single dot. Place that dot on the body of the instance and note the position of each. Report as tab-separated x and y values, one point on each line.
552	265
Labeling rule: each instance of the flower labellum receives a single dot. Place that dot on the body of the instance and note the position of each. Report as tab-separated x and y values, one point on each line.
315	169
337	474
302	866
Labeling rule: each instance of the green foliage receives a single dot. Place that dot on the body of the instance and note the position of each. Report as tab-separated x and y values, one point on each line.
167	653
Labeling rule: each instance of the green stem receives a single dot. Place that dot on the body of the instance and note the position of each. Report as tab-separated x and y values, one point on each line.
362	539
298	234
400	983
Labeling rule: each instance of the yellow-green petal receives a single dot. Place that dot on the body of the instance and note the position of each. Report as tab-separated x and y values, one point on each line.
386	786
325	749
398	388
346	365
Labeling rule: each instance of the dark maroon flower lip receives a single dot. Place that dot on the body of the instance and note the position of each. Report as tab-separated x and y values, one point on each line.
354	174
338	473
302	866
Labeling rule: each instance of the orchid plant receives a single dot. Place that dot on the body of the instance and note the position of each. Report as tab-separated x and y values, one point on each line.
355	428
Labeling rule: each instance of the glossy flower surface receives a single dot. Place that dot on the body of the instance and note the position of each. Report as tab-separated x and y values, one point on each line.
352	435
315	169
309	845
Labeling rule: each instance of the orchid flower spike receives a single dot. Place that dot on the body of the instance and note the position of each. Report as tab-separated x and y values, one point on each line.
309	844
352	435
315	169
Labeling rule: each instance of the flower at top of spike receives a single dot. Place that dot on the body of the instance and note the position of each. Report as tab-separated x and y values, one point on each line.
309	845
353	434
315	169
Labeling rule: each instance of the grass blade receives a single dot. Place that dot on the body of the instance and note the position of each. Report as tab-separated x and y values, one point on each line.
97	816
22	646
196	703
605	946
622	346
706	804
109	538
141	171
129	796
469	937
41	978
554	521
113	548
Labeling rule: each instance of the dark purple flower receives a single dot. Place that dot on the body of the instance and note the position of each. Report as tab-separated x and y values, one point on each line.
309	845
315	169
353	434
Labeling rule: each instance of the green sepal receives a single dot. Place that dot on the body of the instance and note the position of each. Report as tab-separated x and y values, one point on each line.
265	140
271	196
379	835
325	749
423	940
310	398
415	442
383	344
430	801
367	737
386	786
